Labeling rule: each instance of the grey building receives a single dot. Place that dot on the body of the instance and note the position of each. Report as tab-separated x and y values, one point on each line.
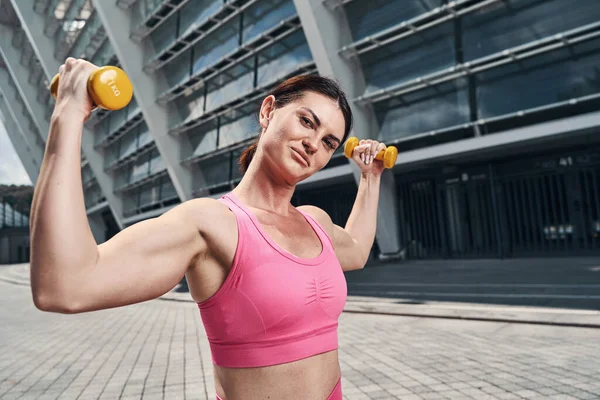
14	233
493	105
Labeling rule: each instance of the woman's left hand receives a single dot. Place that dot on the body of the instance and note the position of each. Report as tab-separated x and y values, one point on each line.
364	155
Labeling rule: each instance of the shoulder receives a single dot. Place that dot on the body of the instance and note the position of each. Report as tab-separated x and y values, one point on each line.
201	207
320	216
202	213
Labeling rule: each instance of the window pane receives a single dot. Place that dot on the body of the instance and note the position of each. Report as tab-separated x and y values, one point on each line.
230	85
436	108
128	144
156	162
236	173
204	138
215	169
546	79
149	194
104	53
139	169
163	37
238	130
368	17
504	25
210	49
189	107
178	70
409	58
167	190
111	154
195	13
265	15
143	9
116	119
144	135
282	58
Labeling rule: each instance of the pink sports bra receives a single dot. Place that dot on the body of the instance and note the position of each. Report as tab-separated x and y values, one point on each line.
273	307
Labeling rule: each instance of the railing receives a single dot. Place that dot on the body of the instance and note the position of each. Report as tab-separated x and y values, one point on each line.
154	205
14	213
254	95
218	152
415	25
84	36
476	125
245	51
511	55
77	19
129	158
155	18
52	23
127	125
147	179
209	25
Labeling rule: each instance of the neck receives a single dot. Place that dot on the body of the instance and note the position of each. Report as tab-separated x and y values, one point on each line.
262	190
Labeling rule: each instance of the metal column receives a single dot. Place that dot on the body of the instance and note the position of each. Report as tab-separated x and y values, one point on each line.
19	75
14	133
118	25
33	25
20	115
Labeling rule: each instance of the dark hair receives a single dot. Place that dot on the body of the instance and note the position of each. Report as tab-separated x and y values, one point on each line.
293	89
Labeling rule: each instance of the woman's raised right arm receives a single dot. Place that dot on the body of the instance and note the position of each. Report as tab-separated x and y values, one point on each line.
69	271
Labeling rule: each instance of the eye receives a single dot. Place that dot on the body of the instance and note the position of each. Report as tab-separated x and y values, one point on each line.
308	122
330	144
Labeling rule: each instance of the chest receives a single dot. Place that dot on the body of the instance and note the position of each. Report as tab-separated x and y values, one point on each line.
294	234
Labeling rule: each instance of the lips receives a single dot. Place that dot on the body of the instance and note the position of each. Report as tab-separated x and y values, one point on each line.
302	155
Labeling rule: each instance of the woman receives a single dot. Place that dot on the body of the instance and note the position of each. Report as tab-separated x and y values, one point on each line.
267	277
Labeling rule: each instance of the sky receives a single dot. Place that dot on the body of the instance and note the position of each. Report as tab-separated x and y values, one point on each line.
12	171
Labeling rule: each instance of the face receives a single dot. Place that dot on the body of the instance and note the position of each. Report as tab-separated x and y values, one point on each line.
300	138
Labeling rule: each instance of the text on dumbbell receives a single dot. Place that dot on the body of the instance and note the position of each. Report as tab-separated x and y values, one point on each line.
114	88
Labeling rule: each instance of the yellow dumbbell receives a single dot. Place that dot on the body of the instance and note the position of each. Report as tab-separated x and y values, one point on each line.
108	87
388	156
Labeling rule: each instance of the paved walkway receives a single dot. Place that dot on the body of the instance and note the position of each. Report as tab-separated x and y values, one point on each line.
379	299
158	350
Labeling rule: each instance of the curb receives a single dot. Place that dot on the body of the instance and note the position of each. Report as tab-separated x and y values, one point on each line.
444	310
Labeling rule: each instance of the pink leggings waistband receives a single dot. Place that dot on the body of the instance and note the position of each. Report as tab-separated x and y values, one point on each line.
336	393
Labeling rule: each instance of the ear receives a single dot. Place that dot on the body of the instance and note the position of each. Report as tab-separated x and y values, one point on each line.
266	111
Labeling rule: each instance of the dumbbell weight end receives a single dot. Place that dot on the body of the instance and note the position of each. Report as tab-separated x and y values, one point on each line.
108	87
388	156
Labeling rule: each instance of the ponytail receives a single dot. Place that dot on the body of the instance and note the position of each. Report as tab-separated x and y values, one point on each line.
246	156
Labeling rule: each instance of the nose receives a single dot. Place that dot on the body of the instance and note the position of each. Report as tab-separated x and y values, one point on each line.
310	145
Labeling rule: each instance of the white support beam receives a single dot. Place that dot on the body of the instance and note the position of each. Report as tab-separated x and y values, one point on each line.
327	31
20	77
43	46
118	25
21	116
16	137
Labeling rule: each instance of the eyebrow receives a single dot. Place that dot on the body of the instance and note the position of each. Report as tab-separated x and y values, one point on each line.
317	120
334	138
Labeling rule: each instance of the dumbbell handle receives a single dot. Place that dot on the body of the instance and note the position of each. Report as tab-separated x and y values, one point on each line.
388	156
108	87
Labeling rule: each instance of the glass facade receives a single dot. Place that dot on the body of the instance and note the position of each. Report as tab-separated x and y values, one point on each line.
440	70
437	73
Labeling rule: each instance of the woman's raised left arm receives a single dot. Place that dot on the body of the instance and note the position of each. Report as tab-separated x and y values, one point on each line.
353	242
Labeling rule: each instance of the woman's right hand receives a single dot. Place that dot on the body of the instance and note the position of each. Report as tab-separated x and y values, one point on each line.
72	97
